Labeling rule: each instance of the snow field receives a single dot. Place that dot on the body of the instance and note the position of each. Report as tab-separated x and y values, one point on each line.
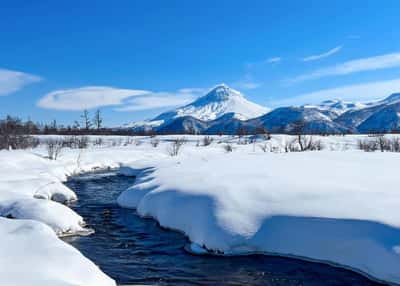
337	205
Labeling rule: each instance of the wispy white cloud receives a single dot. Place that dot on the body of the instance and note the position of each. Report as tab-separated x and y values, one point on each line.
124	99
362	92
12	81
353	66
323	55
273	60
156	100
86	97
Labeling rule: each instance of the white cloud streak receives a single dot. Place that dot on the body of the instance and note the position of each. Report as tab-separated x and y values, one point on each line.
323	55
12	81
86	97
362	92
353	66
273	60
154	101
123	99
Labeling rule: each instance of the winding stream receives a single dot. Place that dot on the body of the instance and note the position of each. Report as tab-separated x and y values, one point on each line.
133	250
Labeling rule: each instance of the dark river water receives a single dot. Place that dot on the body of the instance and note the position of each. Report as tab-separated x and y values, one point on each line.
133	250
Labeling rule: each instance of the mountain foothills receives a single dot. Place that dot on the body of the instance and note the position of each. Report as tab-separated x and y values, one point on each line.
224	110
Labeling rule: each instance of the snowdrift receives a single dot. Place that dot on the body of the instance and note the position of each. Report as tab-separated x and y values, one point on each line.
336	207
31	254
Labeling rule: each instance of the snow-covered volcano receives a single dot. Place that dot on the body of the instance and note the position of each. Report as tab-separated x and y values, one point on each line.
217	102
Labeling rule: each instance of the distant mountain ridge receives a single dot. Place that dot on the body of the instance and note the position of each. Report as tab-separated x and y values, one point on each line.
224	110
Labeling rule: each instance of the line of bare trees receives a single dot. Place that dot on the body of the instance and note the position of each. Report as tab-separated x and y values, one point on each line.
380	143
15	133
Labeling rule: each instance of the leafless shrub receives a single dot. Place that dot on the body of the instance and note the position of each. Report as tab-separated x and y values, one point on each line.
75	142
154	142
275	149
175	146
307	143
263	147
69	142
82	142
207	140
291	146
368	145
228	147
380	143
395	144
17	141
384	144
303	143
98	142
54	147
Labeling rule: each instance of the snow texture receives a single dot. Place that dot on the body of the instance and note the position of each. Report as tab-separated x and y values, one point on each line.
324	206
31	254
338	206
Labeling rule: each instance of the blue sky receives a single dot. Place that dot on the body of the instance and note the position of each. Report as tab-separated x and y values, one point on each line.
134	59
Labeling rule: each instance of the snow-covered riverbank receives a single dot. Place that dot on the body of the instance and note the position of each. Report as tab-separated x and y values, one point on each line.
32	194
337	205
340	207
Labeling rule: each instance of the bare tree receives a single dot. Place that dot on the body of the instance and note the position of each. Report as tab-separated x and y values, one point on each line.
384	143
154	142
98	119
53	147
82	142
13	135
303	143
395	144
264	147
98	141
175	147
228	148
207	140
86	120
380	143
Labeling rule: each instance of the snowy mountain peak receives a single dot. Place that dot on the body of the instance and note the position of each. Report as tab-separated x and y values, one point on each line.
392	98
219	101
220	92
